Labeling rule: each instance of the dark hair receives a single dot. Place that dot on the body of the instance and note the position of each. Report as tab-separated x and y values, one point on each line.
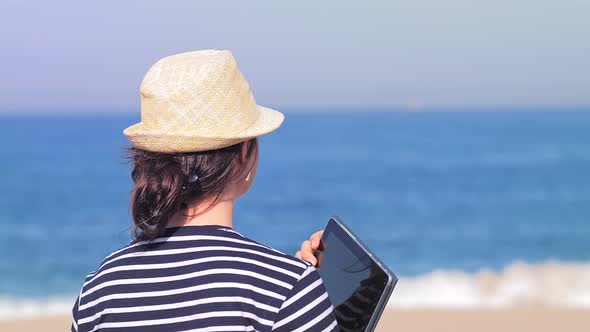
165	182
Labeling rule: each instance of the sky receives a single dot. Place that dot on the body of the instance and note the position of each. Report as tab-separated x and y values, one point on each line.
91	55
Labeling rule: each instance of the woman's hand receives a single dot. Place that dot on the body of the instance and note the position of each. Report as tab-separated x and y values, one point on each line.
309	246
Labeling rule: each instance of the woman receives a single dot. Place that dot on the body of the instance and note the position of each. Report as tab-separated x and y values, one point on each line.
194	153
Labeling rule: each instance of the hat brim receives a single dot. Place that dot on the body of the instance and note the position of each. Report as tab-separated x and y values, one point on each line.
268	120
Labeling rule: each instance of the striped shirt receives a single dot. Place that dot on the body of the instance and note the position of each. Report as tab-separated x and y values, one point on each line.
202	278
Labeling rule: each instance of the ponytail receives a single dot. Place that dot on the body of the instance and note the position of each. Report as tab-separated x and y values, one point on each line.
157	194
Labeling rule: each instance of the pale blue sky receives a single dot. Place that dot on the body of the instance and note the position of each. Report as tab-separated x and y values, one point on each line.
92	55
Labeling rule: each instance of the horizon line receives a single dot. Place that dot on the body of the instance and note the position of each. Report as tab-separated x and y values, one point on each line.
327	109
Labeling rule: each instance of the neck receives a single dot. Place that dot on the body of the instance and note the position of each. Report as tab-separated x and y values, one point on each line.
220	214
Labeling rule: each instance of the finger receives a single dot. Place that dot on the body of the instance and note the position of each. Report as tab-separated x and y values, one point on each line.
306	251
313	261
298	254
315	239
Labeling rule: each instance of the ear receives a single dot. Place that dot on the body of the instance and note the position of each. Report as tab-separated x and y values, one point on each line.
244	152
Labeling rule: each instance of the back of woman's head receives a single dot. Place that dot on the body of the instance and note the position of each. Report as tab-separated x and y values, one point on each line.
165	183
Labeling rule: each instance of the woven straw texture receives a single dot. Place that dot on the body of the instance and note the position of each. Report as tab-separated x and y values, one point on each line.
198	101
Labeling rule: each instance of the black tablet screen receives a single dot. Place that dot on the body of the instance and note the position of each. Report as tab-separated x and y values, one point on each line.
354	282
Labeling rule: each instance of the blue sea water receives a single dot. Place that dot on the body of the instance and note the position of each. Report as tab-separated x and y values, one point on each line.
425	190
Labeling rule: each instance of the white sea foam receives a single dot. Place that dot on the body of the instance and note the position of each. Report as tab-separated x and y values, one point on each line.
16	308
551	284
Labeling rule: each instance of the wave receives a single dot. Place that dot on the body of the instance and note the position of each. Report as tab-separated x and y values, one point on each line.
15	308
550	284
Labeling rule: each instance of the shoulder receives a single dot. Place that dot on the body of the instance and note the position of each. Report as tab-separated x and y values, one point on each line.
185	244
295	264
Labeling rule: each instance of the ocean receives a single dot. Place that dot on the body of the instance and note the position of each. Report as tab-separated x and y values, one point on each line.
469	209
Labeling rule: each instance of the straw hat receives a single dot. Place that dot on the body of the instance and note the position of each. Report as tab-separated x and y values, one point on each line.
198	101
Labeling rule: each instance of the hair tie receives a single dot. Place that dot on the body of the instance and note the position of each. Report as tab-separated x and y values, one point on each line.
193	178
190	180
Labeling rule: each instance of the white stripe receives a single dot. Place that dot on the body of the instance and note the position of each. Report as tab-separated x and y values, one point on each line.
233	231
307	271
183	319
179	277
180	238
301	311
220	299
223	328
302	293
314	321
330	327
182	291
74	325
187	262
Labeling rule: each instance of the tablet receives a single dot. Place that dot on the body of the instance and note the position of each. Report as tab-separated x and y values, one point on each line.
358	283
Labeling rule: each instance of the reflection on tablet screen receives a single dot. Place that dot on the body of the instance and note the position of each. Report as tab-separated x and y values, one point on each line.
354	282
